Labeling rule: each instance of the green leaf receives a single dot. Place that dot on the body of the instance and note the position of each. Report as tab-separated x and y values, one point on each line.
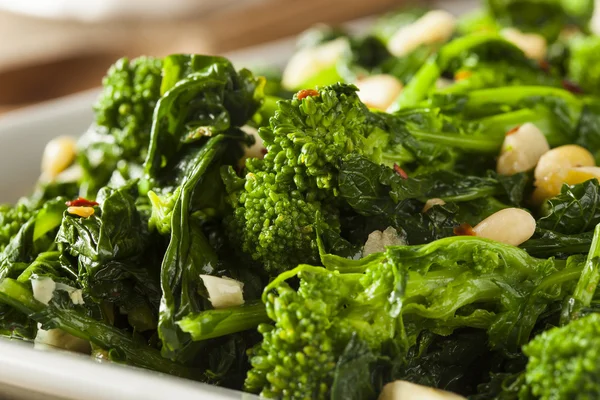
352	377
546	243
188	255
199	92
575	210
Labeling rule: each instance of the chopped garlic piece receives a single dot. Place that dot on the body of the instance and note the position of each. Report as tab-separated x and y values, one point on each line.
307	63
379	91
533	45
223	292
43	288
434	27
257	150
61	339
377	241
403	390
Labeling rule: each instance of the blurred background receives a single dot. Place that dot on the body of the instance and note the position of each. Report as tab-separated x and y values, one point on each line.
51	48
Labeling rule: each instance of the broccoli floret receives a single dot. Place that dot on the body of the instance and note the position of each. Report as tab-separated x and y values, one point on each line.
563	362
120	136
314	325
11	220
276	205
308	136
276	224
130	92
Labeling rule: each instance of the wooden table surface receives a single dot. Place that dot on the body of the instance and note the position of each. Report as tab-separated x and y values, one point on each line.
44	59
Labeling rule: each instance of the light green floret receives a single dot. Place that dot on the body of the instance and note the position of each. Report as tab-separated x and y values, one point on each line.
307	138
12	219
564	363
330	314
276	224
126	104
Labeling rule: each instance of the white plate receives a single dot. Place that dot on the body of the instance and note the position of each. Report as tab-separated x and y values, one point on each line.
28	373
103	10
24	133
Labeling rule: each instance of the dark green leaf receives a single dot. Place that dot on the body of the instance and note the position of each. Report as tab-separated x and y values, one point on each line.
199	93
352	377
547	243
575	210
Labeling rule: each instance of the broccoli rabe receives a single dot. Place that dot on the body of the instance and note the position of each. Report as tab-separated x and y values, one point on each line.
11	220
364	231
313	142
276	223
276	205
563	362
131	89
393	297
119	138
314	327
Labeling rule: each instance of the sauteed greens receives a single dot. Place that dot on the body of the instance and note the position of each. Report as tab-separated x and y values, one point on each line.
414	207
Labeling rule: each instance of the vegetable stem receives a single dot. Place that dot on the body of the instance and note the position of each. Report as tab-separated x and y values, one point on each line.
137	353
216	323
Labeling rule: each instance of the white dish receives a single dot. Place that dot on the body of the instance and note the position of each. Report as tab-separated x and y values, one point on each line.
24	133
103	10
27	373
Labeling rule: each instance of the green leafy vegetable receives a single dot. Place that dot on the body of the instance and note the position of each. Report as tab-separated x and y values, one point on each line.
562	361
338	248
574	211
201	97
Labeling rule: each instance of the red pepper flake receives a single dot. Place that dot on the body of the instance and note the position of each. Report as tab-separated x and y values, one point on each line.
81	202
571	87
513	130
544	65
464	230
461	75
400	171
306	92
264	151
